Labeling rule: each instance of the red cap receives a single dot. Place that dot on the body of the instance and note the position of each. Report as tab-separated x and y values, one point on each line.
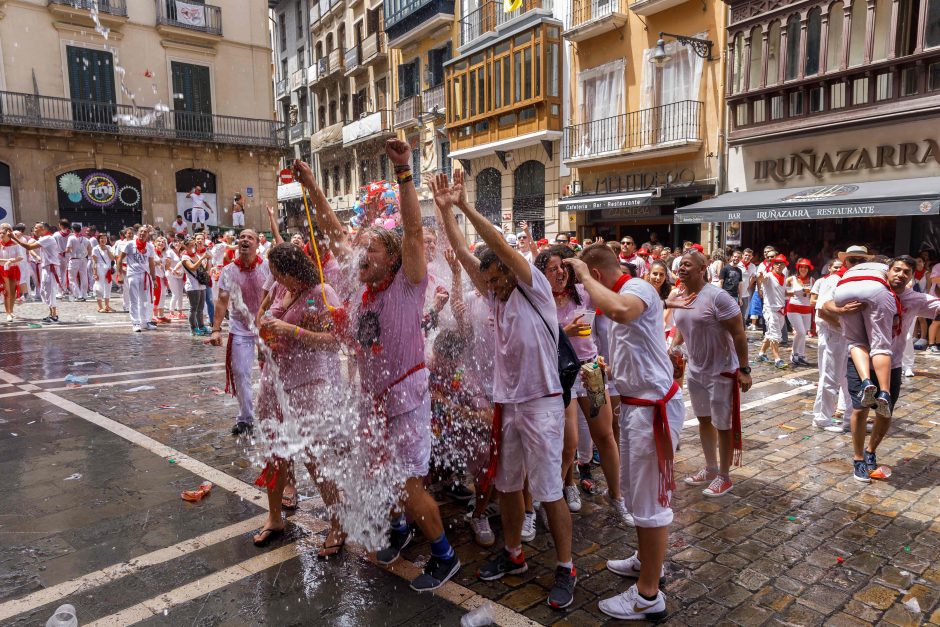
779	259
805	262
542	242
698	247
643	252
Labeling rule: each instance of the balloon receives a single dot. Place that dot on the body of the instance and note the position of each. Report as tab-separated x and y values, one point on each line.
390	224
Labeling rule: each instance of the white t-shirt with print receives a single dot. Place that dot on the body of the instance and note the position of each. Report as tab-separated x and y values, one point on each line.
138	262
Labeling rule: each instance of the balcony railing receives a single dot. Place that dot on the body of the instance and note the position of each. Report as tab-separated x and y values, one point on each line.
205	18
297	132
407	111
586	11
280	88
298	79
373	46
404	16
352	58
432	100
113	7
490	15
315	13
369	126
647	129
32	111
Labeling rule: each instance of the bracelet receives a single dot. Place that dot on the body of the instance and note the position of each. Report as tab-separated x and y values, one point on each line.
297	331
405	179
216	330
402	168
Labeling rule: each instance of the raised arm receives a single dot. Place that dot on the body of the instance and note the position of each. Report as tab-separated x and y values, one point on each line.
323	212
22	242
622	308
413	262
445	197
278	239
533	247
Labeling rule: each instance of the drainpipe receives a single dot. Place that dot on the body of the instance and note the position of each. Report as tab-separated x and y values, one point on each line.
722	150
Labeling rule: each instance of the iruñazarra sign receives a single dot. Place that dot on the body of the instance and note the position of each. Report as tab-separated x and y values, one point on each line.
849	160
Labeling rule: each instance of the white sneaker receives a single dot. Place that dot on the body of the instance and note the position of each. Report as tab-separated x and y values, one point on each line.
621	508
629	567
630	605
151	326
821	422
136	329
573	498
843	428
482	533
528	527
9	317
908	372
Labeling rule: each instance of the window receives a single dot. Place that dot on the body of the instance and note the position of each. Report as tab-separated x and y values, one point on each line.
816	95
776	107
759	111
300	58
908	81
932	26
91	81
796	103
326	181
857	36
337	181
528	202
489	194
860	91
740	114
282	32
737	69
601	91
883	89
446	166
409	78
415	155
834	38
359	104
552	63
906	33
837	95
757	50
793	48
813	36
436	60
773	54
347	178
284	69
192	97
933	77
299	19
882	27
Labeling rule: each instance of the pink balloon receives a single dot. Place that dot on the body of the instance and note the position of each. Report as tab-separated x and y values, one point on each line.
390	224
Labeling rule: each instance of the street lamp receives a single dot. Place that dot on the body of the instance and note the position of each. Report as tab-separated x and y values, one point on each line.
701	47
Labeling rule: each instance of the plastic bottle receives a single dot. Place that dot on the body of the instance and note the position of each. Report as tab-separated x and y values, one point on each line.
479	617
266	336
64	617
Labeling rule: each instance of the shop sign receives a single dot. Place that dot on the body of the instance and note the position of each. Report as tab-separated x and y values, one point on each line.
633	202
642	181
764	214
818	165
631	212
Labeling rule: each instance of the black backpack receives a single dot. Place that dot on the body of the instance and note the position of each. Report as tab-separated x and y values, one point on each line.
568	363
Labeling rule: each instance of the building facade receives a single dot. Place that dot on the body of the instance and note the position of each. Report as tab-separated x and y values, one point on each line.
293	56
834	134
113	123
644	134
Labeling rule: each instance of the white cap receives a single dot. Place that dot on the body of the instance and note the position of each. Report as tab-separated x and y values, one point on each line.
511	239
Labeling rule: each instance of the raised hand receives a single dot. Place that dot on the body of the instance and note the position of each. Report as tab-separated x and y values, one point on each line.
304	174
398	151
451	257
445	195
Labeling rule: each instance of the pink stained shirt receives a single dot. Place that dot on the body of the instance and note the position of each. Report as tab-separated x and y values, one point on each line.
711	349
299	364
583	346
640	367
390	343
250	285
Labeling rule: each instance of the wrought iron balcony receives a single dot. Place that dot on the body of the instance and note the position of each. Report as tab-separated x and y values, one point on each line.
375	125
590	18
112	7
280	89
352	59
407	111
409	20
298	79
432	100
297	132
667	129
205	18
88	116
489	16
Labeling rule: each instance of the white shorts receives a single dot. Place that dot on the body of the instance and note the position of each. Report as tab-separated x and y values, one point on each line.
639	467
238	218
775	323
712	397
532	438
409	437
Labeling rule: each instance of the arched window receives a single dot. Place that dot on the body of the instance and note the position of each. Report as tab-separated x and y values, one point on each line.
528	201
813	41
757	51
882	27
737	71
834	39
857	37
489	189
932	27
773	54
793	47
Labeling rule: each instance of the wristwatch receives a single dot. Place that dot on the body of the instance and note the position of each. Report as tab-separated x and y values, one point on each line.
745	369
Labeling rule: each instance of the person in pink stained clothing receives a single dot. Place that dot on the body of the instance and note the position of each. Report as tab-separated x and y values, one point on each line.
385	330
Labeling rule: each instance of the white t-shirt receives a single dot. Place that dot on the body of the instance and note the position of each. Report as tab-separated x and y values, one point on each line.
640	366
118	247
824	289
639	263
49	253
250	286
138	262
711	349
62	240
174	260
179	227
218	253
525	365
102	259
775	294
76	245
746	274
191	283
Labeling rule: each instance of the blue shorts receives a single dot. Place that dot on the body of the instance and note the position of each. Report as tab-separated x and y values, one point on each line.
757	305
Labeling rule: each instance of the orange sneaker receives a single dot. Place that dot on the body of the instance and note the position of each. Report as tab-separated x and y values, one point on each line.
702	477
719	486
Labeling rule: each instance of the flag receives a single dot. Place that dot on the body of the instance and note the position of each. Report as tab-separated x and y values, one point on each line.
191	14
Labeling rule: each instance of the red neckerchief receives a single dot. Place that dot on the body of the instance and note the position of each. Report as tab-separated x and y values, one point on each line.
802	280
199	252
158	253
65	233
615	289
768	265
10	243
919	274
238	262
779	277
229	257
747	265
841	271
370	294
141	246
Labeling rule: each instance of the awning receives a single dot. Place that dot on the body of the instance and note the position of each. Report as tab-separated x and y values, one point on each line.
289	191
595	202
902	197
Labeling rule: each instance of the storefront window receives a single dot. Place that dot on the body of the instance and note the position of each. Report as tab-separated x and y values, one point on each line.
813	34
793	47
757	51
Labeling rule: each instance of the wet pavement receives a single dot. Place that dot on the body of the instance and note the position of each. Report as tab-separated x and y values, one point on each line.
90	511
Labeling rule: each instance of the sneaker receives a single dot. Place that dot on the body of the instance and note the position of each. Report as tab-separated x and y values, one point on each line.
436	573
528	527
458	492
9	317
596	457
866	396
151	326
397	542
504	564
802	361
630	567
55	318
762	358
562	593
137	329
821	422
780	364
908	372
47	320
845	427
794	360
630	605
585	480
883	404
920	344
482	533
240	428
752	327
573	498
702	477
620	507
720	486
934	349
860	471
871	462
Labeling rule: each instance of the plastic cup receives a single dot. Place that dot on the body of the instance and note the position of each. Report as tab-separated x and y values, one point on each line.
587	317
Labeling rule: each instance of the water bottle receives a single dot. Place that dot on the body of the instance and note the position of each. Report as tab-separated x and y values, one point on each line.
479	617
63	617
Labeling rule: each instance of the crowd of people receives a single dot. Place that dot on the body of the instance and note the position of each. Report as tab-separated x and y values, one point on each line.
508	364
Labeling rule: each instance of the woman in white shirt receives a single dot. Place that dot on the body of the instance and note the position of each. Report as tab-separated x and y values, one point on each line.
175	277
195	291
101	257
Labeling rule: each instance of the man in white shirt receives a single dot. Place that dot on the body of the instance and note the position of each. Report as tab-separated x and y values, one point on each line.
27	266
179	227
201	208
748	281
651	415
774	298
713	331
50	258
139	276
76	254
628	255
832	353
526	388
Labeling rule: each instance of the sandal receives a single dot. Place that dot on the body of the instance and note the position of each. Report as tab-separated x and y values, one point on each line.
267	535
100	310
329	550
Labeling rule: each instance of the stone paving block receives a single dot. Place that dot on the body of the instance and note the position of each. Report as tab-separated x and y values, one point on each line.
751	579
748	615
877	596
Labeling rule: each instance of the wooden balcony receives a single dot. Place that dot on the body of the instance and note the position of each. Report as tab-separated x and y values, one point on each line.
489	17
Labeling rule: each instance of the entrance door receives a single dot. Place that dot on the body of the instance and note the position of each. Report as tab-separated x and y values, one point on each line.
192	100
91	86
528	201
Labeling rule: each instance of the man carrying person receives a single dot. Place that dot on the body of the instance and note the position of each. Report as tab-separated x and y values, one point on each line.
651	415
526	388
50	259
713	331
389	341
831	350
246	275
139	276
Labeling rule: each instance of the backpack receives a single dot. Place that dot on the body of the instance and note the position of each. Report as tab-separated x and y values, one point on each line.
568	363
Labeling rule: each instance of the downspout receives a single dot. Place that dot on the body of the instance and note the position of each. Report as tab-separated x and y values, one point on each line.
721	148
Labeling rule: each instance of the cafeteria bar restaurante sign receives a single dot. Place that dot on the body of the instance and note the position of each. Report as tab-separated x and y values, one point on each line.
849	160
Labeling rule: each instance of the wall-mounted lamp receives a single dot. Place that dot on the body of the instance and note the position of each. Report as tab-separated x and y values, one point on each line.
701	47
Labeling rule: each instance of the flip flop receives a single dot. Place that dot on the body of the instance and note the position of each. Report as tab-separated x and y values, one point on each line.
272	534
329	550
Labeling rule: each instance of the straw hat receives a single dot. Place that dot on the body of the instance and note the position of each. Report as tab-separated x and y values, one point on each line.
855	251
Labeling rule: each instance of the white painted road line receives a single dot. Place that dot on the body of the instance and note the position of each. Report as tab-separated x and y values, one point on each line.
764	401
133	372
9	377
212	370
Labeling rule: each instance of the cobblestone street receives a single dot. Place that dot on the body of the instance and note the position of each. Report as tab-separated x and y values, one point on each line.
90	512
